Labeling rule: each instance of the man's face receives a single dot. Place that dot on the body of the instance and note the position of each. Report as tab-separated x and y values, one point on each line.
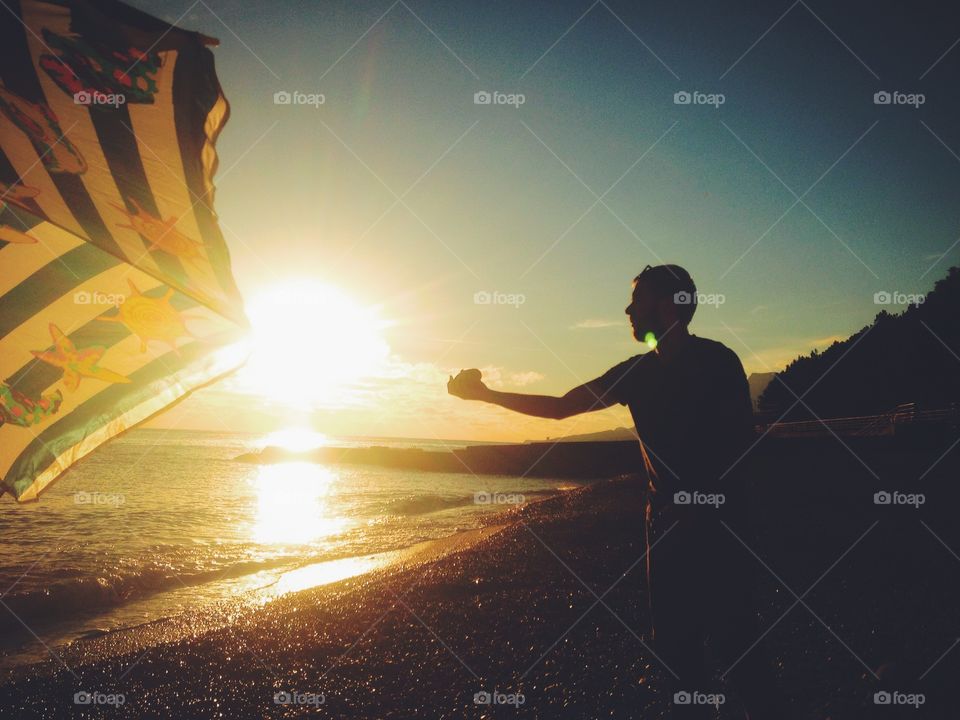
645	313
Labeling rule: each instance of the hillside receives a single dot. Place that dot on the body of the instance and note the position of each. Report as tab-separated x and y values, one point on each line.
913	356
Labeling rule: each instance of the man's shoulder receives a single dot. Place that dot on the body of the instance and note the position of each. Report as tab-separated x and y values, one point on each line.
708	346
634	363
714	351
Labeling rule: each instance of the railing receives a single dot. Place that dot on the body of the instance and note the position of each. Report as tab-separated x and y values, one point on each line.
901	418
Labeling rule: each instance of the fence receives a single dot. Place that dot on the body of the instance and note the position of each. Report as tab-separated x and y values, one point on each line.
902	418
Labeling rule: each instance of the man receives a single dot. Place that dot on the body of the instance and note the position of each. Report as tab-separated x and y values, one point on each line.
690	403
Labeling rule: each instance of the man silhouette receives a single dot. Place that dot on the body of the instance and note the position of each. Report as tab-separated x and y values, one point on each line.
690	402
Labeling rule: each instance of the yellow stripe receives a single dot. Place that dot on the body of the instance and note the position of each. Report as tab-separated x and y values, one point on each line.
32	173
22	261
69	314
97	179
226	360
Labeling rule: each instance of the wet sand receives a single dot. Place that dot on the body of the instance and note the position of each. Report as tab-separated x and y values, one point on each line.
513	610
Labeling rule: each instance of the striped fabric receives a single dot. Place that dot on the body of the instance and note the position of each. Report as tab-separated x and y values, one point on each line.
116	293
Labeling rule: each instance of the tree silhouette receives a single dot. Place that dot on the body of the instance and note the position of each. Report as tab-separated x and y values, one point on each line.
913	356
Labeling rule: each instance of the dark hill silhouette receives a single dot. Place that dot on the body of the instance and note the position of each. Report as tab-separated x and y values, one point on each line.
913	356
758	383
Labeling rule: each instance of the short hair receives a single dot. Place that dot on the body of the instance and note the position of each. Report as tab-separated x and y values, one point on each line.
671	282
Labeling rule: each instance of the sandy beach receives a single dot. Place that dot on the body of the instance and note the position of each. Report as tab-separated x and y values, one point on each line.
544	609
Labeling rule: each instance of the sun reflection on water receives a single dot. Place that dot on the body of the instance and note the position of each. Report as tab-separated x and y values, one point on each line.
293	504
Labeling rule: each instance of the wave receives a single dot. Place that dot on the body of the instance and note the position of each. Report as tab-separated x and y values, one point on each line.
425	504
79	596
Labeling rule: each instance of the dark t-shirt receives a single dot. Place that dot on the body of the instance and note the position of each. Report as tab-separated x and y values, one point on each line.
693	415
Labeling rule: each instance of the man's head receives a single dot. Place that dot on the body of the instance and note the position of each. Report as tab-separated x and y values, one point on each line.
664	299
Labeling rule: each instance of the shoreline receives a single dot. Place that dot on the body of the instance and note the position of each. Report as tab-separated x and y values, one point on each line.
93	646
514	612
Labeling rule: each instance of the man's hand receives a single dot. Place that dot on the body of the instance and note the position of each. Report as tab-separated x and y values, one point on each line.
584	398
468	385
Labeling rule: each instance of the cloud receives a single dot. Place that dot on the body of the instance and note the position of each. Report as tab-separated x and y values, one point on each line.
594	323
405	399
521	379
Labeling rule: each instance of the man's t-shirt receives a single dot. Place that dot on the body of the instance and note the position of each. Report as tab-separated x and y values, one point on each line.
693	414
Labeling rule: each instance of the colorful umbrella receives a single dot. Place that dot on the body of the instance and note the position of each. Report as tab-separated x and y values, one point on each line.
116	292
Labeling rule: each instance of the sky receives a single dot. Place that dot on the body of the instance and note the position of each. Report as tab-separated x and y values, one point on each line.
393	210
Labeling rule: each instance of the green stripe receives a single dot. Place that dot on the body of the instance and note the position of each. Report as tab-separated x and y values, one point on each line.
36	376
21	221
110	403
52	281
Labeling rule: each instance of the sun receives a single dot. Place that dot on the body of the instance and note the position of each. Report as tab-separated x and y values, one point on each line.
309	343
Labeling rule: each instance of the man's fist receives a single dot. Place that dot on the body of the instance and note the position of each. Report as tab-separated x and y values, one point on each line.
467	385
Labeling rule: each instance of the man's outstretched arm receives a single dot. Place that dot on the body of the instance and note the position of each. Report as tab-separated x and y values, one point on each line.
584	398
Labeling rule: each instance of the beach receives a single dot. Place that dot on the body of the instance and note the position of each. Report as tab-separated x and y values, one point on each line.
544	610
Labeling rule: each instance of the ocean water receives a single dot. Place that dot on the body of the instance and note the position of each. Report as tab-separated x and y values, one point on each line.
163	522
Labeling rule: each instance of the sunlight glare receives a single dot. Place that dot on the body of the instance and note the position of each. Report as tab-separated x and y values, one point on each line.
310	341
296	439
292	504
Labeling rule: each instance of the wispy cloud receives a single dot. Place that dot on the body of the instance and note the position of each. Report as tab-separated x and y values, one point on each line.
594	323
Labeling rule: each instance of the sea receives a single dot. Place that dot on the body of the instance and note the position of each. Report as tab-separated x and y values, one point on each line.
163	522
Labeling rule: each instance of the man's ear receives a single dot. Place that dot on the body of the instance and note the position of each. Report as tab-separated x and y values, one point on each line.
667	311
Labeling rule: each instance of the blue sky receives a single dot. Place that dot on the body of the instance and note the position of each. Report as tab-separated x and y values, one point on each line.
504	198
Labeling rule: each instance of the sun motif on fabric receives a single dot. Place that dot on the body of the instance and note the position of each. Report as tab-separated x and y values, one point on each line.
151	318
76	363
162	234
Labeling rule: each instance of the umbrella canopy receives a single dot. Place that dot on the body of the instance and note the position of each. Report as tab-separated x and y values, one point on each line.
116	292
